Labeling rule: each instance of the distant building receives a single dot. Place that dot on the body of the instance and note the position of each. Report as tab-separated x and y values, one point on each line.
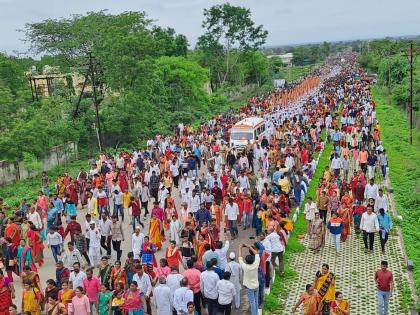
44	84
285	58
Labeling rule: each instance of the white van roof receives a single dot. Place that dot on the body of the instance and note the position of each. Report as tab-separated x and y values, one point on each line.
249	122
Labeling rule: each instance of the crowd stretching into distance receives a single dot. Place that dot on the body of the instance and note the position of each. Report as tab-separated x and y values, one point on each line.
219	217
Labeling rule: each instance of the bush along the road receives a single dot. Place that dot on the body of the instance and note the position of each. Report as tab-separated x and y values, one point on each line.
274	302
404	172
28	188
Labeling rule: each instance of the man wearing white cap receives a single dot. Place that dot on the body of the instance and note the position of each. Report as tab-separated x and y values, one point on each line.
94	245
184	183
236	277
163	193
137	240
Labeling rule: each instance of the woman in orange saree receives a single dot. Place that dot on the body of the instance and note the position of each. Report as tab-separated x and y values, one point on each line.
154	231
216	212
37	245
201	242
346	215
118	276
310	300
340	306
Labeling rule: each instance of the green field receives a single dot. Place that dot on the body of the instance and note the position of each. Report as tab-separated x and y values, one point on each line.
404	171
294	73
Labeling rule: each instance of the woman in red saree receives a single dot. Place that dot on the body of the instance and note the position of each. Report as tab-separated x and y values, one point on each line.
7	293
134	301
154	231
72	190
37	245
346	215
305	156
173	255
122	181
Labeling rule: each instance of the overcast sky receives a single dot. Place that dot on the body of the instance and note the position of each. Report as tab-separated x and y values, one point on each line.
287	21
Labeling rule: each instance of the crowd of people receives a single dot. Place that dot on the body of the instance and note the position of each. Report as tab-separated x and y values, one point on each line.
203	198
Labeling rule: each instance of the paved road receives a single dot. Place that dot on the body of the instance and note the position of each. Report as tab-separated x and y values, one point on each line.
48	269
353	268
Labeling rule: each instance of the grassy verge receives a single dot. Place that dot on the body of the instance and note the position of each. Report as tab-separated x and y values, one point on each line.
13	193
404	172
274	302
29	188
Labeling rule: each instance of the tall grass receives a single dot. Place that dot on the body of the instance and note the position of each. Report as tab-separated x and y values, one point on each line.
404	172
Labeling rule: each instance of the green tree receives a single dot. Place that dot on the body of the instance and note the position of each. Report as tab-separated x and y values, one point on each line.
229	28
392	70
275	64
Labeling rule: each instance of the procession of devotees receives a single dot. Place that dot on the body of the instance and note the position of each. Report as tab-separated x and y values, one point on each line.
191	225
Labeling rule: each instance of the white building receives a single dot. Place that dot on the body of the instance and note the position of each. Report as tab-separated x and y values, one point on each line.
285	58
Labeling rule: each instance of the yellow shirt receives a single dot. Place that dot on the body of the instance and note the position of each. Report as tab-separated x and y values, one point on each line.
126	199
284	184
118	301
167	182
30	302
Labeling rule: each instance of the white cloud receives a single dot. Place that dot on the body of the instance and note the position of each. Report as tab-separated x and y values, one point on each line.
288	21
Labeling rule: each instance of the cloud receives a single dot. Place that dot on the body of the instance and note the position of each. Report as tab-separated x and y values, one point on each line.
288	22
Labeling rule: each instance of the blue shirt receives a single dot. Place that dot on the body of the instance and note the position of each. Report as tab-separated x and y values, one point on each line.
71	209
336	136
202	215
147	256
385	221
276	176
58	204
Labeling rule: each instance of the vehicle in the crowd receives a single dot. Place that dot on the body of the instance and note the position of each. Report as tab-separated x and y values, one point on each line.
247	131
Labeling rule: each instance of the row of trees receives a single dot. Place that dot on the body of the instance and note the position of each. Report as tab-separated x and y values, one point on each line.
388	58
148	78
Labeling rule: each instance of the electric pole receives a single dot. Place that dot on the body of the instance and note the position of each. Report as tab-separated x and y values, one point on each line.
90	74
410	55
95	100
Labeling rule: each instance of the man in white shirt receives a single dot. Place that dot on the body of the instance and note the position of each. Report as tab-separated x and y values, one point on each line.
173	280
369	225
182	296
184	183
371	190
336	165
232	212
276	249
221	251
250	271
194	201
94	245
208	287
226	291
144	197
137	240
163	298
105	229
243	181
35	218
54	241
77	276
174	168
381	201
145	285
235	277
